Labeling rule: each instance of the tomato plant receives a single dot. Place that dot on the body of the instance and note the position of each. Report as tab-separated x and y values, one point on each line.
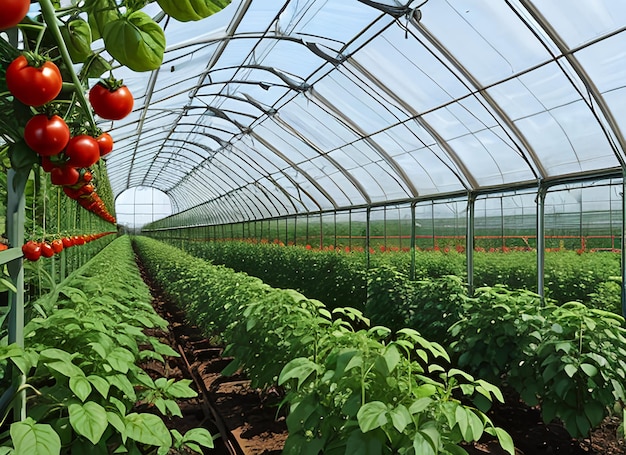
82	151
13	11
105	143
111	100
34	81
64	175
46	135
31	250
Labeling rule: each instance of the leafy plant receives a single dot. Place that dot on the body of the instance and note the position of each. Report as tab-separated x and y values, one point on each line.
80	360
351	388
568	359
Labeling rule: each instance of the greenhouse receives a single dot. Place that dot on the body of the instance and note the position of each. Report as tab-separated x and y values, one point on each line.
301	227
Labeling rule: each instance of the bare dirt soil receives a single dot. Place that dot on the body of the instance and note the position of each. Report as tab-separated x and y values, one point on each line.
249	422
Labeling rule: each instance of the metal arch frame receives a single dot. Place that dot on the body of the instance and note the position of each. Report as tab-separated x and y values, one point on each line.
239	153
239	16
236	187
403	177
291	130
568	54
223	43
527	153
614	129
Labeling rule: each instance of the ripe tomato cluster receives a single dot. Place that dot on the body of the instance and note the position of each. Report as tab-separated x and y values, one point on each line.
33	250
36	81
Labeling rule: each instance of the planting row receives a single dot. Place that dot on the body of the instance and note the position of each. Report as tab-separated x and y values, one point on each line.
567	358
350	387
83	384
339	278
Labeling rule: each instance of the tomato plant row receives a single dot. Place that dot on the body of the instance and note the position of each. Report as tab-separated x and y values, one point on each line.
350	387
333	276
83	344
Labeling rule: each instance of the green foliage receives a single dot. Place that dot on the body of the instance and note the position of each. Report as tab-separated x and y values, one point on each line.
351	388
333	277
429	305
81	359
568	358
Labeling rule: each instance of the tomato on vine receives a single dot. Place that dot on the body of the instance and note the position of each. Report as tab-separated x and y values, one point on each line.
46	250
33	80
82	151
47	136
64	175
111	99
13	11
105	143
57	245
31	250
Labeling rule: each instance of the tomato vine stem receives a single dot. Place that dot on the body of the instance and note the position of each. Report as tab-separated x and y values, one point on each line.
49	16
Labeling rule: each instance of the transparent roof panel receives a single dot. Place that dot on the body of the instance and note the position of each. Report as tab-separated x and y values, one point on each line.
273	108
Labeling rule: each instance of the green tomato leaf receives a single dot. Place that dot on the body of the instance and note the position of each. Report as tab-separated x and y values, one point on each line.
100	13
181	389
300	368
136	41
372	415
200	436
147	429
81	387
30	437
77	37
192	10
88	420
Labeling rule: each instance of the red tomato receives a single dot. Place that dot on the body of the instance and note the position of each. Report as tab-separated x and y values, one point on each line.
79	240
67	242
46	135
57	245
71	192
105	142
87	176
111	104
33	86
82	151
64	175
46	250
13	11
31	250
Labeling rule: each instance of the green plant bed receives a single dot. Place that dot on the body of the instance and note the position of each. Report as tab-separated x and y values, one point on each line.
350	387
83	343
569	359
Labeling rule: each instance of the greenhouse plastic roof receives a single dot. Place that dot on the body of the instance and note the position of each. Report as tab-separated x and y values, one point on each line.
272	108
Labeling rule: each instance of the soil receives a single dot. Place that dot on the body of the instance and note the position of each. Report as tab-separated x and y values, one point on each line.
248	420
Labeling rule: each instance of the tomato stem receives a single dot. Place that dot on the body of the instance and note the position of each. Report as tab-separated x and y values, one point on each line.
48	12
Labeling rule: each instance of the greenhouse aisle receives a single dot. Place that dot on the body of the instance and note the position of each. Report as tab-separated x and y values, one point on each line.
245	417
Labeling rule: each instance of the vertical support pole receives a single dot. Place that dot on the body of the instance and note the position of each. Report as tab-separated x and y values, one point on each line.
469	241
368	218
623	245
16	214
541	239
413	233
321	231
